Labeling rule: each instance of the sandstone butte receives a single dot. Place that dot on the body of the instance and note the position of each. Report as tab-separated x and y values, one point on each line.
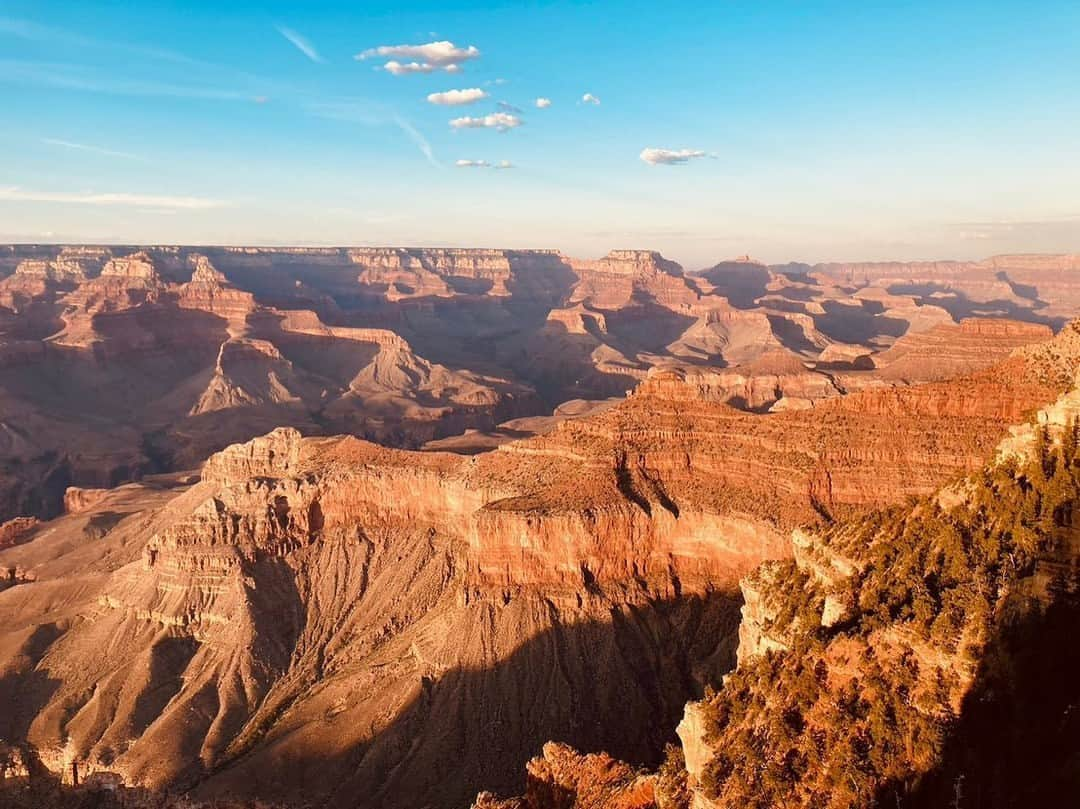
328	620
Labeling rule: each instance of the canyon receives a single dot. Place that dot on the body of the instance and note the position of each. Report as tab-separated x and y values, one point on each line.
376	526
173	353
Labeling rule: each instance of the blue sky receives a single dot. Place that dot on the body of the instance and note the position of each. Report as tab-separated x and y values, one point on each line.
787	130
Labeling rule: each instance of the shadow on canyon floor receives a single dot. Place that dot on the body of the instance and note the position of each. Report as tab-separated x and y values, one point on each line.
960	306
617	685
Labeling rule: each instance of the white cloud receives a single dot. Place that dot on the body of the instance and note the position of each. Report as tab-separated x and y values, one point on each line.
496	120
82	147
543	103
670	157
302	43
14	194
442	55
589	98
399	69
483	164
455	98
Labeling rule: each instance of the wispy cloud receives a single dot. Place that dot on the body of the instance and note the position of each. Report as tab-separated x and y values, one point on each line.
369	113
483	164
358	111
543	103
505	106
443	55
36	32
589	98
456	98
1021	231
421	142
302	43
83	79
16	194
670	157
83	147
501	121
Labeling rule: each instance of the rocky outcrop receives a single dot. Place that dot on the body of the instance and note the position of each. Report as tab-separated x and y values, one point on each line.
624	276
77	499
757	386
274	455
15	530
564	778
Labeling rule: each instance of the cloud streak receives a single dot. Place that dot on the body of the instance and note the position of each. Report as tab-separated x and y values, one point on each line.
358	111
1035	231
35	32
83	147
302	44
501	121
670	157
419	140
15	194
456	98
75	77
589	98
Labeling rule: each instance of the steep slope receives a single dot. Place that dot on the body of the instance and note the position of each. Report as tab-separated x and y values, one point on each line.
261	606
873	663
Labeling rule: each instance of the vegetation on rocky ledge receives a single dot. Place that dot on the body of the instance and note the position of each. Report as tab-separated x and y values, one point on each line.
882	706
